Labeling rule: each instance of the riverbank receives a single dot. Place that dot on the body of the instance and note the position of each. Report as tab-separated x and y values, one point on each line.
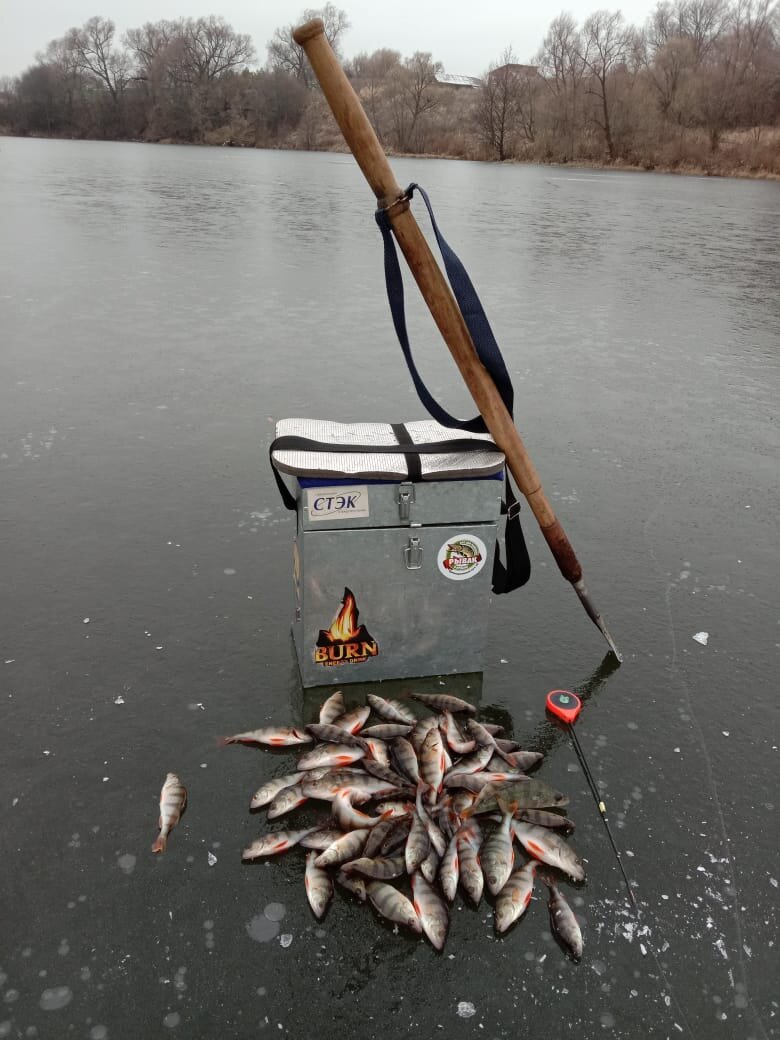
742	154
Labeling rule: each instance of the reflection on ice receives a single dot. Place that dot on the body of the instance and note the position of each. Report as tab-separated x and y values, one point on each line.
56	998
126	863
261	929
275	911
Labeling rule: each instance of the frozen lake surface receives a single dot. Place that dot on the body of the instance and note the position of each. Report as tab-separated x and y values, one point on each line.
160	309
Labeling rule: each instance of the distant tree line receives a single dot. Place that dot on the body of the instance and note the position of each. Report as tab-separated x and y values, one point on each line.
698	85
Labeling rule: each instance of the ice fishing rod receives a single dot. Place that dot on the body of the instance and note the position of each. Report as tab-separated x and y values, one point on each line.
566	706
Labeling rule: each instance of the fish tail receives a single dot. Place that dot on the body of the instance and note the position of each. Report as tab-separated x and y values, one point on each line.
160	844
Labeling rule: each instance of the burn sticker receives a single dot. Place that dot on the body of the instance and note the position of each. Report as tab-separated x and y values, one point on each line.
345	642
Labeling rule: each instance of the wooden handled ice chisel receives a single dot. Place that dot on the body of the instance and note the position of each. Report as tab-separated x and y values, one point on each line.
364	145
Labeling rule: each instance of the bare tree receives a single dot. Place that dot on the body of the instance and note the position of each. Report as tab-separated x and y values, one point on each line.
496	110
563	71
284	53
412	92
669	73
213	48
150	42
95	54
605	46
370	74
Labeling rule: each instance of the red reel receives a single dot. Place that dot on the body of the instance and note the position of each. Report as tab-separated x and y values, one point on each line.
564	704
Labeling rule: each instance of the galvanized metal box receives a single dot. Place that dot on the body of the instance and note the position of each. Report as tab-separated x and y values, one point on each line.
392	577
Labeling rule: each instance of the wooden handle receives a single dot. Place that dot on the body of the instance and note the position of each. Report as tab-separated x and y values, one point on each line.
349	113
363	142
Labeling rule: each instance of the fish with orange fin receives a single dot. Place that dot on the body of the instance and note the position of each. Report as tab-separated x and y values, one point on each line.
550	848
173	802
271	736
332	708
449	870
431	909
498	856
344	848
563	921
393	905
391	710
349	818
470	874
453	736
513	899
271	788
387	730
444	702
432	764
330	755
273	844
352	721
511	795
319	887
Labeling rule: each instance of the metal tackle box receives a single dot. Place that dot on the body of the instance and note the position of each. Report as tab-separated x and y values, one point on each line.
391	575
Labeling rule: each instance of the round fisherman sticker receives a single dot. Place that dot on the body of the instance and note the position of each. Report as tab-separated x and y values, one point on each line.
461	557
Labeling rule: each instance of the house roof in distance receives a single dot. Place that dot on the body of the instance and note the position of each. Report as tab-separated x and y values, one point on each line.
447	79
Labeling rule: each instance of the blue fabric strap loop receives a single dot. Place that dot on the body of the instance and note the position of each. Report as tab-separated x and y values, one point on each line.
471	309
516	571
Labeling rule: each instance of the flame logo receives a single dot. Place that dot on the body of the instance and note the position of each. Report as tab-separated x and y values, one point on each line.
345	626
346	641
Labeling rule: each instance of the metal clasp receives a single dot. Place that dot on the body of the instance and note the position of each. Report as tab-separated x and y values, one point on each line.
405	499
413	554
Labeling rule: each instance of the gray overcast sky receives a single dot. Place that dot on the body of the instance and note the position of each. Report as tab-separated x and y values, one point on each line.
466	39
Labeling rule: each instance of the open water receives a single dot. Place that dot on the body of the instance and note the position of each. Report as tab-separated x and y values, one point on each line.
160	309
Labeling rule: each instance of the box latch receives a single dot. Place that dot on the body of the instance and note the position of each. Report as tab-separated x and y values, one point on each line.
405	500
413	554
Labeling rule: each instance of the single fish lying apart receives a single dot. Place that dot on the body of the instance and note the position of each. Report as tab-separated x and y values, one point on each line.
173	802
426	787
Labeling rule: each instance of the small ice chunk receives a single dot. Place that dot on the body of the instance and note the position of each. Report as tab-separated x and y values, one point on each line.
702	637
285	940
211	858
119	700
86	620
465	1009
